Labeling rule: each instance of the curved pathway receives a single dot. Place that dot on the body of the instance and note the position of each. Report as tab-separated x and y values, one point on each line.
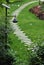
20	34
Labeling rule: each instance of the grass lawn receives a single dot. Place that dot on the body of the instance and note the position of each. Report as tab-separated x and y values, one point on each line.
22	53
31	25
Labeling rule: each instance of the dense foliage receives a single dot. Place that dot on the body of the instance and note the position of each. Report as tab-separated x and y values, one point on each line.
7	57
37	55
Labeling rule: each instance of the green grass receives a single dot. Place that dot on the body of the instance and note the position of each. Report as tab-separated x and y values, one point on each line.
22	54
31	25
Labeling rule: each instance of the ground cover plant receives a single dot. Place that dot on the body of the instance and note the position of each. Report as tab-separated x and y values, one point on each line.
31	25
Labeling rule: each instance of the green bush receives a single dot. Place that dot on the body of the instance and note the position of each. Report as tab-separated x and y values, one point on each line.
7	57
37	56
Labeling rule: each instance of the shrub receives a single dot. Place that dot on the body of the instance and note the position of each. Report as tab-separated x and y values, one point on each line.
7	57
37	56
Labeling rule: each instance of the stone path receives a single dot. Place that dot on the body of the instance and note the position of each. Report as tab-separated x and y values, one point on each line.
20	34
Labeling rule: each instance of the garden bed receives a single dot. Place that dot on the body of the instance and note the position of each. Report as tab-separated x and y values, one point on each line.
37	11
